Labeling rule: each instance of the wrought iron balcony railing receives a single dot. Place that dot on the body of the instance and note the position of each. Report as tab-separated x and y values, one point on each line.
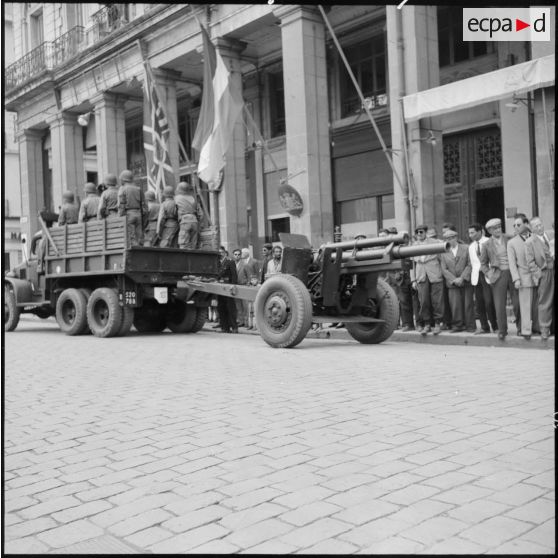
33	63
109	19
68	45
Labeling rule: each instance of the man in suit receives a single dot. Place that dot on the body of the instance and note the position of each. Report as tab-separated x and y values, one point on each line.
226	304
456	268
427	279
541	266
484	303
248	275
266	256
496	268
238	302
521	276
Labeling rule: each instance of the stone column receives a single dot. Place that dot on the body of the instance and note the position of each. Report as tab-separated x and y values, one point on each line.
66	137
32	179
233	199
110	129
166	88
306	117
413	66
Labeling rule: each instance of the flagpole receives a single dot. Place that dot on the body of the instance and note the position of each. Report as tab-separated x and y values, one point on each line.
148	69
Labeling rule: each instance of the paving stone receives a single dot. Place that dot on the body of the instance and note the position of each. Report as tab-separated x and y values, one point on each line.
410	494
251	498
366	512
522	547
244	518
70	533
148	537
463	494
49	507
455	545
25	528
17	504
309	513
501	479
100	492
434	530
544	480
258	533
518	494
304	496
183	523
537	511
195	502
81	511
394	545
25	545
479	510
495	531
449	480
544	534
216	547
419	511
140	521
371	532
330	546
185	542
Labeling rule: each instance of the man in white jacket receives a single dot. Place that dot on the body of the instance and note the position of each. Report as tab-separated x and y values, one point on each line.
484	303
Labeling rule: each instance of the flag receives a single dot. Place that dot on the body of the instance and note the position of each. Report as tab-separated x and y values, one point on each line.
221	104
156	140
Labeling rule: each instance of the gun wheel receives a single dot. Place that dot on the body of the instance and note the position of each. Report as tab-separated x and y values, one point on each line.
11	311
283	310
201	318
150	317
181	316
384	307
71	312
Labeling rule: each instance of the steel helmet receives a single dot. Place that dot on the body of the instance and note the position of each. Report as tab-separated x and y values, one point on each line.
126	176
68	196
150	195
90	188
182	188
168	192
110	179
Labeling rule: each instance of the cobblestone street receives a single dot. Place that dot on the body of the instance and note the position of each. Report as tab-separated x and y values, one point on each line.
213	443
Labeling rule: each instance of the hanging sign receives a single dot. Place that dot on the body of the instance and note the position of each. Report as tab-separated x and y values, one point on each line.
290	200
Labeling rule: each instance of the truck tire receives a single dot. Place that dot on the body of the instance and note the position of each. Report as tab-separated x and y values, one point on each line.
201	318
86	294
150	317
387	309
71	312
283	310
11	311
127	320
104	314
180	316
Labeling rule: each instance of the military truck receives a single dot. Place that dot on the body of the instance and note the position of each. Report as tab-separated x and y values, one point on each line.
92	280
340	282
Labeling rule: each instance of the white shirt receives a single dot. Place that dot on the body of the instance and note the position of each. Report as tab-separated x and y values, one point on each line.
454	251
475	261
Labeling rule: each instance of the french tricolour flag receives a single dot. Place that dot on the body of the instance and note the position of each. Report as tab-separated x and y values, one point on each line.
221	103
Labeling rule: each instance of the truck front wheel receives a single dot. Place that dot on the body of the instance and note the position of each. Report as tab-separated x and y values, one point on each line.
104	314
71	312
384	307
283	311
11	311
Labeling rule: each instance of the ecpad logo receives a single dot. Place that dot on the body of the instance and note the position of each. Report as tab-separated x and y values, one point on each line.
506	24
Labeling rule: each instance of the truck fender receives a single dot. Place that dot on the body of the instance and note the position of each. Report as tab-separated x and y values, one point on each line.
22	288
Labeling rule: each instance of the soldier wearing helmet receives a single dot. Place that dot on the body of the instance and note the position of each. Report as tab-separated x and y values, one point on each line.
187	216
90	205
69	211
131	204
167	223
108	204
152	216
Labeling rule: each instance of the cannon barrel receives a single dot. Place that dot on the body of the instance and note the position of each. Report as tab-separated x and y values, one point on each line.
400	238
397	253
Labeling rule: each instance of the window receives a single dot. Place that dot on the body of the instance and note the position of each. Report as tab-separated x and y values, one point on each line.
277	104
281	225
367	60
451	47
6	261
134	150
37	33
366	215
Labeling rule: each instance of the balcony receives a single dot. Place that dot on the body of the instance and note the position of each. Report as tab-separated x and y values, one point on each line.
68	45
32	64
109	19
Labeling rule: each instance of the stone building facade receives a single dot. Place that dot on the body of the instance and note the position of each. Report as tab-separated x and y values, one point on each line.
463	166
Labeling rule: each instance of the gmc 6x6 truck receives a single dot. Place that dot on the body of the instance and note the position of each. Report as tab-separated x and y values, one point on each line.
88	276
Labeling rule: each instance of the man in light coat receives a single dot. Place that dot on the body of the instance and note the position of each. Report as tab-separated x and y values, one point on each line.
496	268
484	303
541	266
456	268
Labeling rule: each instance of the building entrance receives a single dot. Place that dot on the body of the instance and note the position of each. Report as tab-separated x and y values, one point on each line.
473	183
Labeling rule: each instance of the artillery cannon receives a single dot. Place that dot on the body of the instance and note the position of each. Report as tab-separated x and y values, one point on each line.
340	282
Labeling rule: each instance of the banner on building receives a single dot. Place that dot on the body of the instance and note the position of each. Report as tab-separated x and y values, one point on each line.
156	139
221	104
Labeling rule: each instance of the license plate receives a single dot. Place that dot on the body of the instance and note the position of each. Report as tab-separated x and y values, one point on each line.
130	298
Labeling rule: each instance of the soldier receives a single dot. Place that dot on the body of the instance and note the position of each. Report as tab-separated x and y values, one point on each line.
187	216
69	211
167	223
108	205
132	205
90	205
152	218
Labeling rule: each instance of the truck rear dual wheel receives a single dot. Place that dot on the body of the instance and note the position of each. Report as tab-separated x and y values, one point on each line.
11	311
384	307
104	314
71	312
283	310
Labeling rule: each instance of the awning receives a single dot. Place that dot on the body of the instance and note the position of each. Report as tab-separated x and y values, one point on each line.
484	88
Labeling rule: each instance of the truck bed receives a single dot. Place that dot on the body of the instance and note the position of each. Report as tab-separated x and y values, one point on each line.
101	248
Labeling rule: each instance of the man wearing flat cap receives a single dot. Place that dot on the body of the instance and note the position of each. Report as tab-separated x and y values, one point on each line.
496	268
456	268
427	278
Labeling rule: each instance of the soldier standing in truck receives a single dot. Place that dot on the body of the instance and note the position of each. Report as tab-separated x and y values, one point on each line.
132	205
90	205
108	206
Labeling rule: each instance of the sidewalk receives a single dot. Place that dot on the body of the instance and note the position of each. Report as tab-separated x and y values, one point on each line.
444	338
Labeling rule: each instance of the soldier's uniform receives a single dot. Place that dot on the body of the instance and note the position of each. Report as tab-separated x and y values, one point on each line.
90	205
108	204
69	212
187	216
132	205
167	223
152	216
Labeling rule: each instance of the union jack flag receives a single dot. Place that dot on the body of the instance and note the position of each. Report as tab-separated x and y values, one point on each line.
156	140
